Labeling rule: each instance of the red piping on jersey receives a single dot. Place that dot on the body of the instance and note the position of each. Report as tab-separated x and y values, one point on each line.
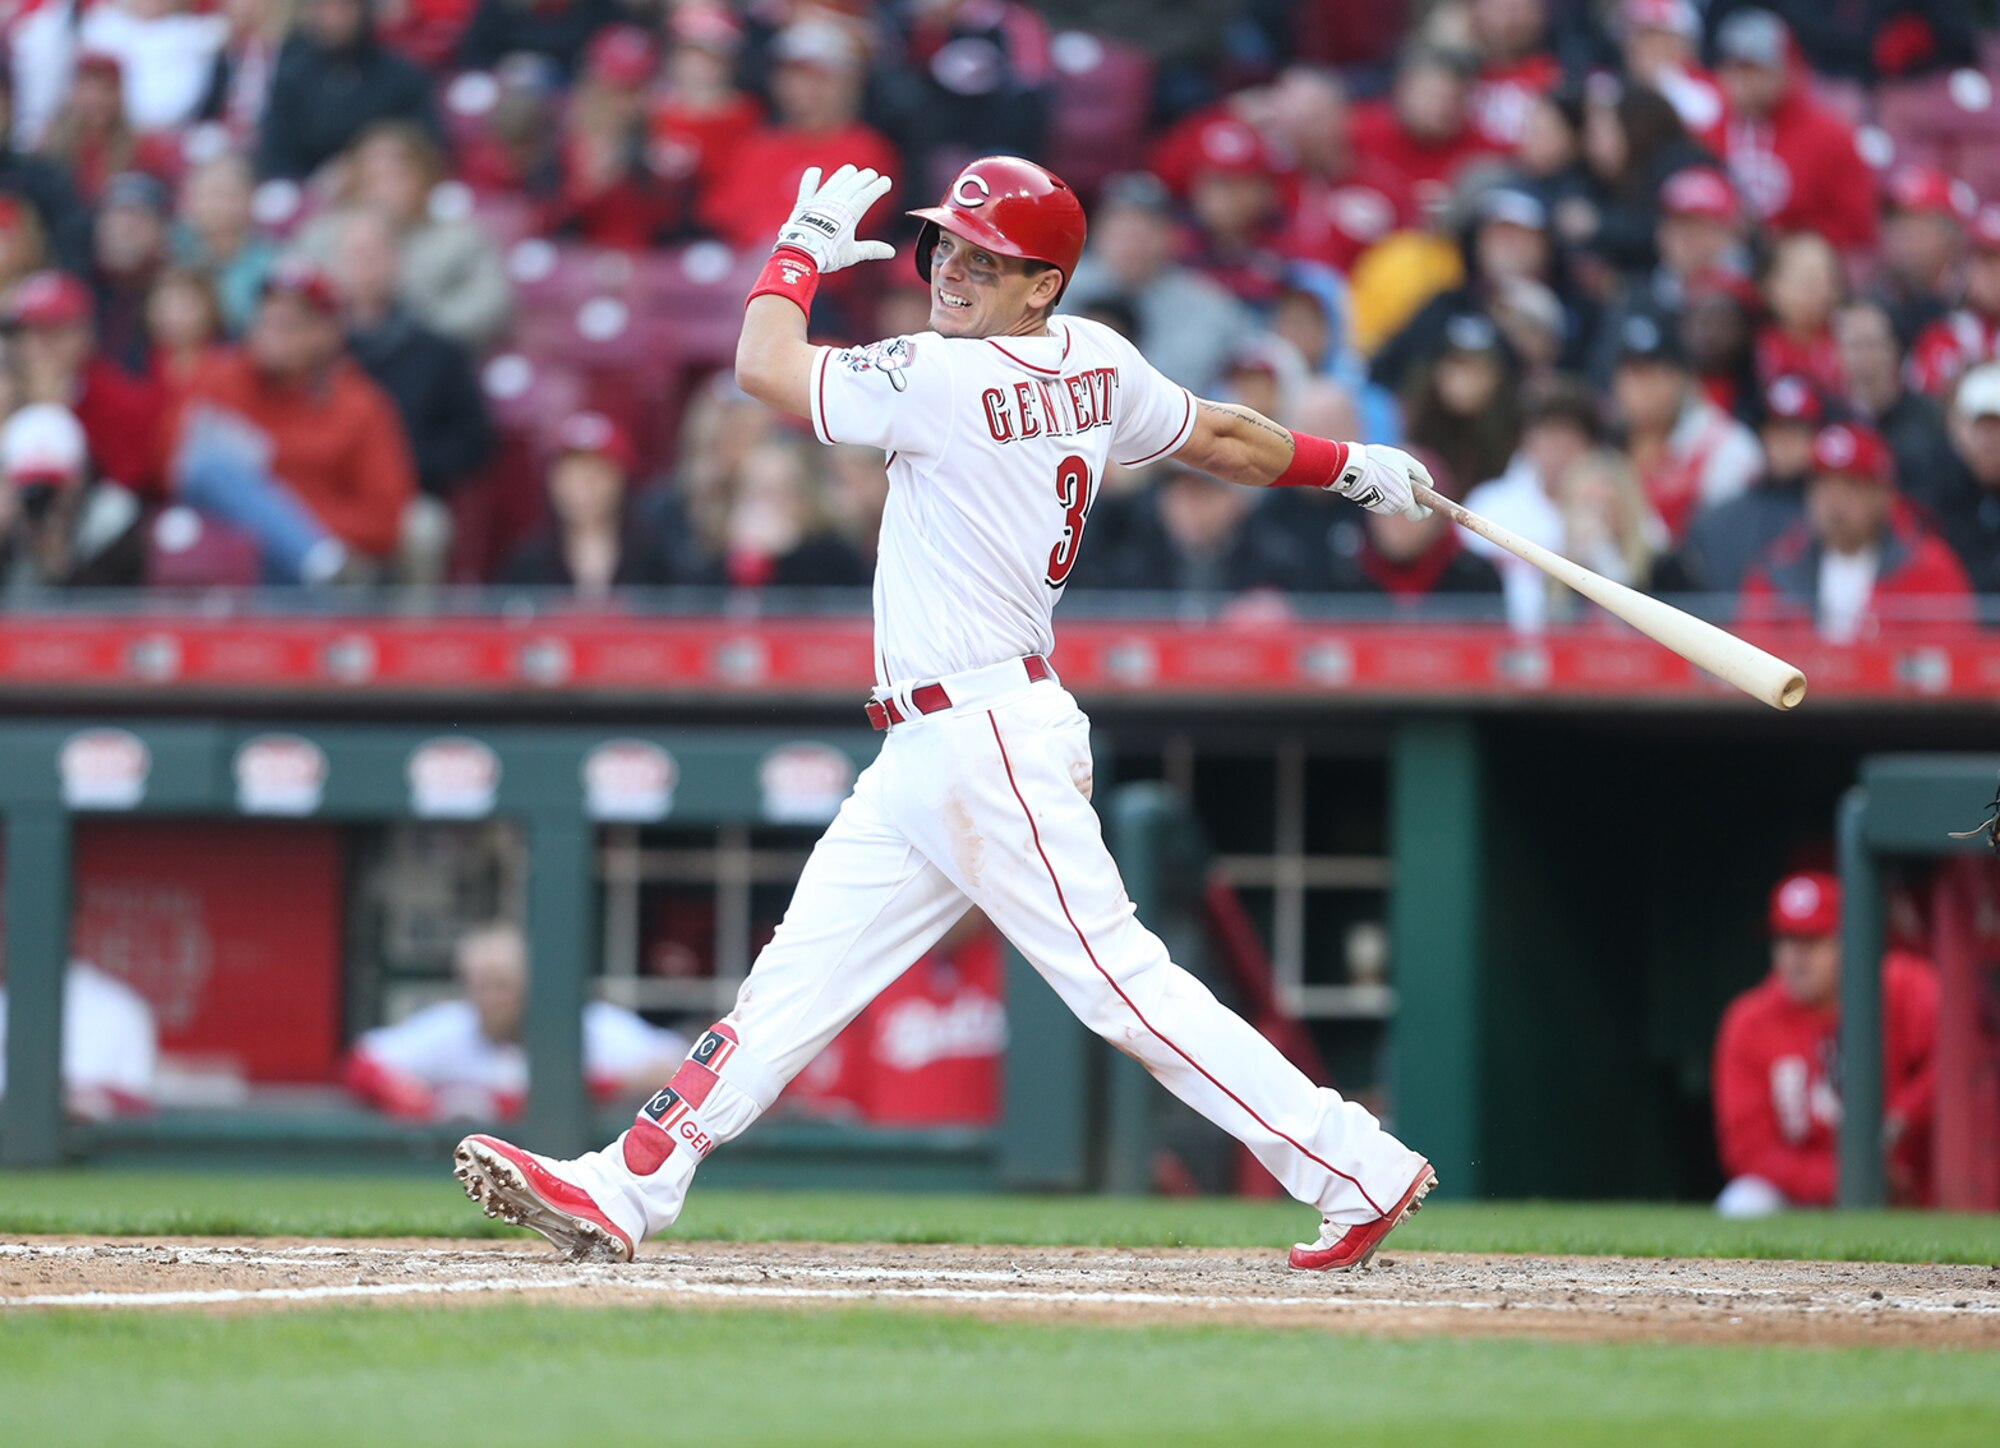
1055	371
1036	834
1180	437
827	431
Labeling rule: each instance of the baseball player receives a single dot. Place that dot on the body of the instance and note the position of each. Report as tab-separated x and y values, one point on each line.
999	424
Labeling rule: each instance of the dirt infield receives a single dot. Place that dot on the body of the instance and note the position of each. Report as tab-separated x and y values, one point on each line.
1600	1298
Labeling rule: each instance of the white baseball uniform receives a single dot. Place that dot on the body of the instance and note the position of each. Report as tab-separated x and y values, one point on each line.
997	447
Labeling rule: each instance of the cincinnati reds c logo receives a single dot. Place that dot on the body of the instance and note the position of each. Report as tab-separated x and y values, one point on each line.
963	186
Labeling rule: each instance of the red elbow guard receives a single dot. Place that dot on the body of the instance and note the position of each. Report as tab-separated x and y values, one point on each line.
1316	462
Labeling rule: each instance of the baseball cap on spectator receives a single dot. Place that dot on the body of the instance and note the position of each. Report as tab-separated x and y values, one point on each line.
1678	17
1643	337
1985	228
1700	191
1754	37
1850	450
1918	188
1513	207
593	432
1139	189
138	190
1231	147
1978	392
707	26
48	299
1806	903
42	444
298	276
620	54
1794	400
1471	332
824	43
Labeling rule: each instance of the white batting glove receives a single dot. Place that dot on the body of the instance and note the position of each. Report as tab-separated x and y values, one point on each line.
822	223
1378	477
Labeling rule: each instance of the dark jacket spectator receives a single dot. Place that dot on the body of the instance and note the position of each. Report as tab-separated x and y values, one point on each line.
1869	40
1188	533
1466	408
974	80
333	80
1724	540
1923	245
598	537
1913	425
1698	239
1968	506
430	378
558	29
44	185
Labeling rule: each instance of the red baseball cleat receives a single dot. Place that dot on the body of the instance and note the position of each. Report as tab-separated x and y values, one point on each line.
1342	1249
524	1190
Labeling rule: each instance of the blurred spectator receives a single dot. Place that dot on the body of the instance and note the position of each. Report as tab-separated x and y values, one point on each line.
558	29
1777	1092
60	527
452	277
1724	540
1923	241
1867	40
429	377
42	183
610	195
289	441
1385	555
776	535
1508	241
1632	143
240	86
1721	342
1969	495
128	248
1661	47
1970	333
1515	66
519	153
1913	425
1233	200
463	1058
166	52
1699	237
50	317
110	1045
816	91
1549	161
1802	288
218	233
1608	526
1190	324
975	80
1423	131
1187	533
1560	422
334	80
857	492
596	538
700	116
1688	452
720	428
23	250
184	331
1466	407
1782	145
91	138
1344	199
1855	551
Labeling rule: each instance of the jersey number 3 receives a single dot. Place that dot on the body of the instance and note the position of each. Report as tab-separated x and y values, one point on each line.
1073	492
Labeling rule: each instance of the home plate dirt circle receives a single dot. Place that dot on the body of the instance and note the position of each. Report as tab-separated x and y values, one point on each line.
1405	1293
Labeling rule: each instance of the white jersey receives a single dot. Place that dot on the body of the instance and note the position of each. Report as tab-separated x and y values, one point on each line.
997	447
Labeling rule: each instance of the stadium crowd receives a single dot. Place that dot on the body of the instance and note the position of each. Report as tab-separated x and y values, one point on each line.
340	293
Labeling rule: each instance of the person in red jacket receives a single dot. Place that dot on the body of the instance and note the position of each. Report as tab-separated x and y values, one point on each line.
1423	132
1793	160
1858	563
701	116
1343	199
816	92
1777	1102
288	439
1969	334
1515	66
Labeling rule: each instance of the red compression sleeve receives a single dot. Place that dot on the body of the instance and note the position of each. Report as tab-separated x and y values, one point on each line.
791	274
1316	461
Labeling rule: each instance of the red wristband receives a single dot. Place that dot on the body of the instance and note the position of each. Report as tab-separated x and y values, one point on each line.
1316	461
790	274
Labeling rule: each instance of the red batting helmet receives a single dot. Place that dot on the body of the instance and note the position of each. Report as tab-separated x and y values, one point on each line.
1012	208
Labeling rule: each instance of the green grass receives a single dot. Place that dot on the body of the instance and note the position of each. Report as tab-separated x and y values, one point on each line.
113	1203
517	1375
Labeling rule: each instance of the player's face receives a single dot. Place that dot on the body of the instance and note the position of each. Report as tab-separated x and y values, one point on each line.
977	294
1808	967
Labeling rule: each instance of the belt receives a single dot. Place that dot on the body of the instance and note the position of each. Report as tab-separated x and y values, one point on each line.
934	697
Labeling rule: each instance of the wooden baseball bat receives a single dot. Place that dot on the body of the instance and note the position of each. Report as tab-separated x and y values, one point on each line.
1729	658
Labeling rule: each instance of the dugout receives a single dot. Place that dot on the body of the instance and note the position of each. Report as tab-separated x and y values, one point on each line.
271	800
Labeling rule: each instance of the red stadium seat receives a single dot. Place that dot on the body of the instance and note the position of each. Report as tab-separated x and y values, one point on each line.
1103	95
185	549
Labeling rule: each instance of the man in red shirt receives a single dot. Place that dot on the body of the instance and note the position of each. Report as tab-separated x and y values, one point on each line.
1423	132
1515	66
816	93
1661	44
1794	161
1858	563
1777	1102
1923	239
1344	200
1970	333
51	317
288	440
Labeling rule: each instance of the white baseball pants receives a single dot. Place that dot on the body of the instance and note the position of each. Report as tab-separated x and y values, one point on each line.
988	803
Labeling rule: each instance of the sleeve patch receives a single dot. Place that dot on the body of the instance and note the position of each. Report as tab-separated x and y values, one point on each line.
888	358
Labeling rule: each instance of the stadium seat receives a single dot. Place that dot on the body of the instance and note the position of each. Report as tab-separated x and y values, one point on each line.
185	549
1097	121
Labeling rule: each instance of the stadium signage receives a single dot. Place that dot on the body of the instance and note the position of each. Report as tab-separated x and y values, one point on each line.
629	781
803	784
453	779
280	774
104	769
